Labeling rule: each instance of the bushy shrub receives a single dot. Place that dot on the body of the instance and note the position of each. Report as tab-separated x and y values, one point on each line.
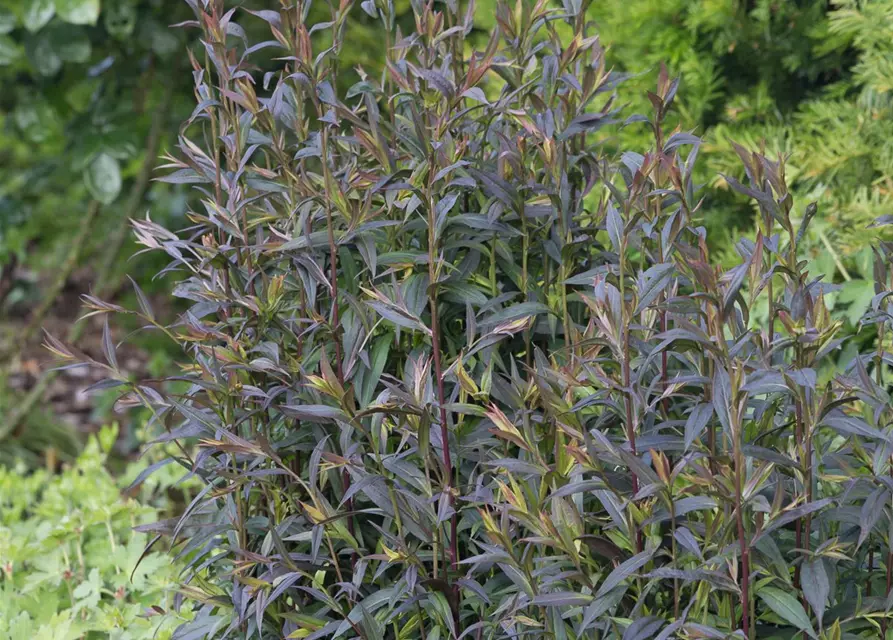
452	372
68	554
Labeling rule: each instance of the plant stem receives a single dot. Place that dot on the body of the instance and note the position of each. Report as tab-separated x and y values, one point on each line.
627	376
334	318
742	541
879	378
771	295
525	250
674	552
444	430
438	369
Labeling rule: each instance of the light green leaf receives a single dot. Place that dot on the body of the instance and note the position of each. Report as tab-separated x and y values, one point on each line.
7	21
88	593
43	55
38	13
859	294
37	120
786	607
21	627
9	50
103	178
78	11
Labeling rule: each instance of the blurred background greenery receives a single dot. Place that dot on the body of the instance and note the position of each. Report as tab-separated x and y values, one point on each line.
94	91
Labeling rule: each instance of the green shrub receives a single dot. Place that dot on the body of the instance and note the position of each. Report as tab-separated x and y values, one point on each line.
455	372
68	555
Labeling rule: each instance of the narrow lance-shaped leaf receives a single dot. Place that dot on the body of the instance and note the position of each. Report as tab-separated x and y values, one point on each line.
786	607
815	585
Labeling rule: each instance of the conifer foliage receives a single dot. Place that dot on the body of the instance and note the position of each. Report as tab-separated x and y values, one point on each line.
452	371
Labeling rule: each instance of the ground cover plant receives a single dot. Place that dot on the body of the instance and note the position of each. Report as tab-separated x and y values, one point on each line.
453	370
68	552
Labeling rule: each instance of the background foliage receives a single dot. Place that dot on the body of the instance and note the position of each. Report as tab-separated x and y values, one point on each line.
804	78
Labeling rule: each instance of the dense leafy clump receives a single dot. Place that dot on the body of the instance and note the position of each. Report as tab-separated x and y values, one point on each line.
452	369
68	552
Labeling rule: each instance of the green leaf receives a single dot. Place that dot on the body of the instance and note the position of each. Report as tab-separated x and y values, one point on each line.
43	55
786	607
160	38
9	50
601	605
78	11
314	412
71	44
7	21
872	510
652	283
103	178
38	13
377	362
859	294
399	316
371	604
37	119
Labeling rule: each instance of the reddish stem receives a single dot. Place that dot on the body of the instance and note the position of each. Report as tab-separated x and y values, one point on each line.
631	431
336	324
745	553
